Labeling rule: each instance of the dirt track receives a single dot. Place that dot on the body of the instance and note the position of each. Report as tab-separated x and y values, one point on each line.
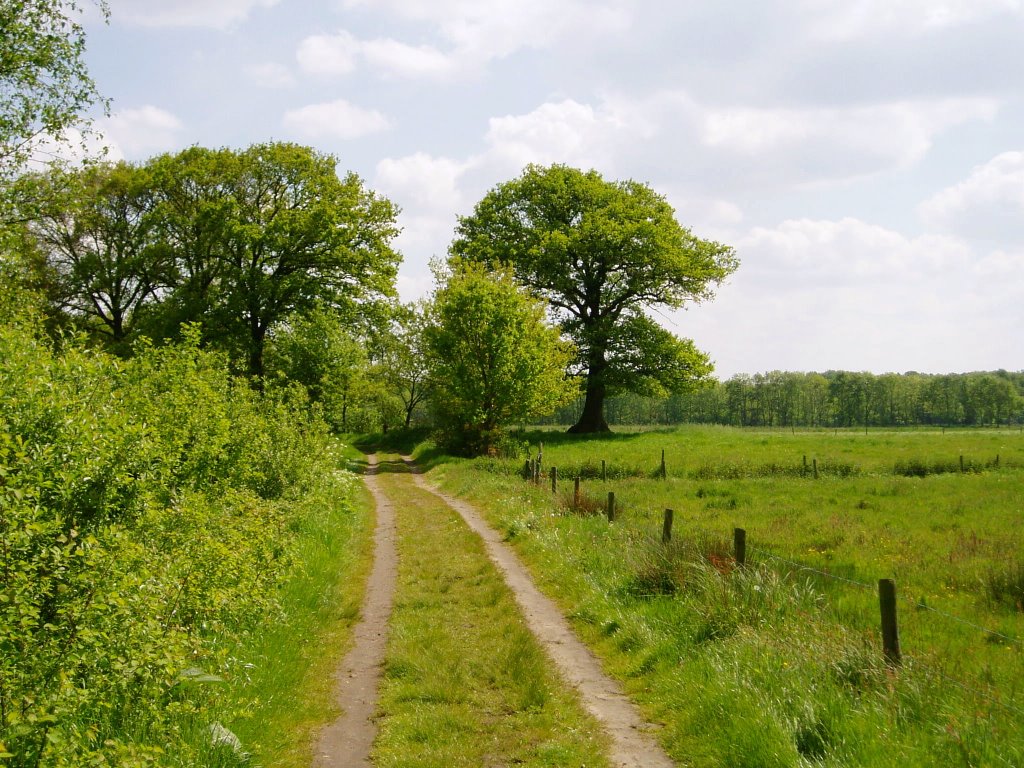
348	741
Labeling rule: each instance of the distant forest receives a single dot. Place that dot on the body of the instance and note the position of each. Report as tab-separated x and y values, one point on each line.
830	399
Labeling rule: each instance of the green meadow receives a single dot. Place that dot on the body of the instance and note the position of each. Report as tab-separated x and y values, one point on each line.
780	662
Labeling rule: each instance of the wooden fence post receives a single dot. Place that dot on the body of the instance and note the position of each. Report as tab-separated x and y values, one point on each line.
604	475
554	479
890	629
611	506
815	469
526	470
739	539
666	527
961	463
576	495
663	472
805	464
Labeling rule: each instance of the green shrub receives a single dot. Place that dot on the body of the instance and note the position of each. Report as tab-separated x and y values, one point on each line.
146	513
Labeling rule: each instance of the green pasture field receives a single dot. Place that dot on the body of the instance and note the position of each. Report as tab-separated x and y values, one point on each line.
780	663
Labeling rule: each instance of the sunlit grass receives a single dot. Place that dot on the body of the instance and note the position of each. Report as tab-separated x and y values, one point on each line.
776	665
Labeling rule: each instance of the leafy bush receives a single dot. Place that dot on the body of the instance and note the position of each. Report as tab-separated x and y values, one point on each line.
146	512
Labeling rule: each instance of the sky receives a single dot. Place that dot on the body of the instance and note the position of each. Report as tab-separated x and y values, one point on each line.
864	158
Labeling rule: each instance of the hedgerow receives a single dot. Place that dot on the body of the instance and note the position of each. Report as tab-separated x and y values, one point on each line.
147	509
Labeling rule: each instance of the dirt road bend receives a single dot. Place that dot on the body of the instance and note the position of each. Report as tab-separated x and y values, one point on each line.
347	741
633	746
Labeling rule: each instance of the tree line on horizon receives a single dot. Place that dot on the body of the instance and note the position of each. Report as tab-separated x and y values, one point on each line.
829	399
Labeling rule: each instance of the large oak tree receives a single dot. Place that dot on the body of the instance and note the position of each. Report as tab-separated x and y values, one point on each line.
602	254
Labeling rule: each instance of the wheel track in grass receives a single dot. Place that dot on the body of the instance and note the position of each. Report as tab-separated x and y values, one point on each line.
348	741
633	745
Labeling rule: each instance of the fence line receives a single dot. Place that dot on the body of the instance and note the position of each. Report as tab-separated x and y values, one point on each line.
802	567
925	607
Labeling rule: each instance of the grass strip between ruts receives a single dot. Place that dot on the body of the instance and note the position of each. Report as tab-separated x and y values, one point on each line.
466	684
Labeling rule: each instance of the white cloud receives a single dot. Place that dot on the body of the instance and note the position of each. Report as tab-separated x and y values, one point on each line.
340	53
762	147
475	32
422	181
394	58
988	204
864	18
565	132
271	75
142	131
185	13
335	119
328	54
818	294
834	254
843	141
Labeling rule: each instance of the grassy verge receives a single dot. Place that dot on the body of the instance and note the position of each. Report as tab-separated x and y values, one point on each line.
763	667
466	684
283	690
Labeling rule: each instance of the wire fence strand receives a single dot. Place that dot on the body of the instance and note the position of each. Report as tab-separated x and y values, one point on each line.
803	567
918	605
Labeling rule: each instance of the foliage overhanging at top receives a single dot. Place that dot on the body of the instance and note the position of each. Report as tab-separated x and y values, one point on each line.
44	84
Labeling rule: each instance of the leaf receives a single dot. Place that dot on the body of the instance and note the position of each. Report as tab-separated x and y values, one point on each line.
196	675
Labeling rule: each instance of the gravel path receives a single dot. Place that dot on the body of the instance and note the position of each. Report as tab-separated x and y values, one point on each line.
347	741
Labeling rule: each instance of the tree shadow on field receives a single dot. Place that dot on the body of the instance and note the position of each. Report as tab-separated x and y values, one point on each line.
560	437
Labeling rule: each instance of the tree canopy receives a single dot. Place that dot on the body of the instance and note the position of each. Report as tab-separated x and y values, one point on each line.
601	254
44	85
236	240
493	359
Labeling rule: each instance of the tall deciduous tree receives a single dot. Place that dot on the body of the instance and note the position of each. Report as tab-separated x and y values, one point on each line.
298	235
493	359
265	233
44	85
602	254
103	260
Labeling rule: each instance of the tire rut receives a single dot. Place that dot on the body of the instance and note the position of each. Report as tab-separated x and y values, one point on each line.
348	740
